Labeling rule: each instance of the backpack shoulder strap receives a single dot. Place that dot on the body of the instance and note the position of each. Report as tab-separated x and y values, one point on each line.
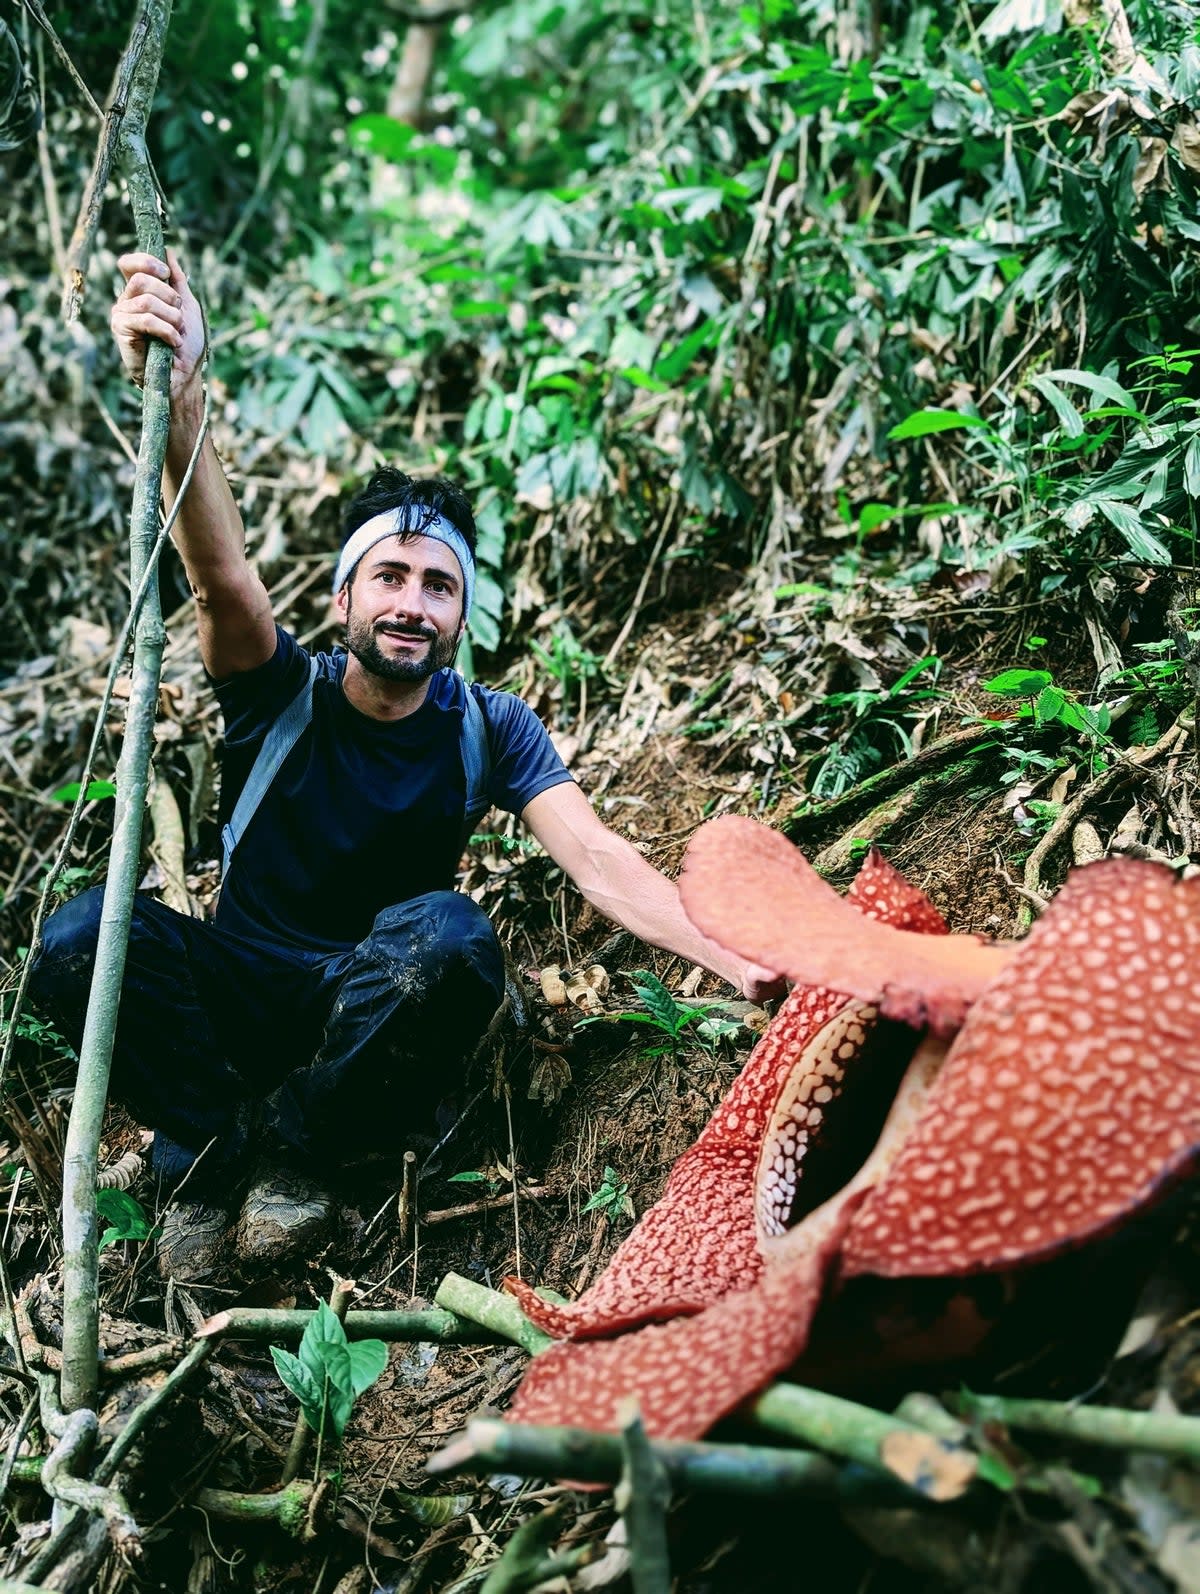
282	735
477	764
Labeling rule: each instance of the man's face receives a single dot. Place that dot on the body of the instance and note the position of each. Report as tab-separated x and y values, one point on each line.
402	608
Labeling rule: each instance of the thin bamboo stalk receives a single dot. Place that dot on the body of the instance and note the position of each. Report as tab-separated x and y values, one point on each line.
437	1326
80	1163
1163	1433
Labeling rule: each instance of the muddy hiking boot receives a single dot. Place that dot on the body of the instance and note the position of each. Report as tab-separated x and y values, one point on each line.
283	1214
193	1241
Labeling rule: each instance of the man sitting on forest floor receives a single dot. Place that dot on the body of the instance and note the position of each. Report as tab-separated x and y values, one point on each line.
330	1009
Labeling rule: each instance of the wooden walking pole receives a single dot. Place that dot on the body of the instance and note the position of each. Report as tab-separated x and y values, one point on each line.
80	1311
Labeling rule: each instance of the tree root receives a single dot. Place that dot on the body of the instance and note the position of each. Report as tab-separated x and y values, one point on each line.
955	746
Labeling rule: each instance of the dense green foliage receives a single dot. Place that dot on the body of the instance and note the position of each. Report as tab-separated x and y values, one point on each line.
632	255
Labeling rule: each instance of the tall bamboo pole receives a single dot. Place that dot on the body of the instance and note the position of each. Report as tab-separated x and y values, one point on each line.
80	1310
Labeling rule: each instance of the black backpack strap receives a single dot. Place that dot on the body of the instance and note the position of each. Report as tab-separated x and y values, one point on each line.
477	765
282	735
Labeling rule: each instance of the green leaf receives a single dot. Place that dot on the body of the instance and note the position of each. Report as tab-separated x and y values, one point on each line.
923	423
308	1390
1049	705
1018	683
96	790
381	135
368	1358
1102	385
323	1328
664	1009
467	1177
339	1385
1069	417
125	1215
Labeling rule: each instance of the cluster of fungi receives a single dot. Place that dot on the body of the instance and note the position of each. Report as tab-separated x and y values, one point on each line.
1037	1094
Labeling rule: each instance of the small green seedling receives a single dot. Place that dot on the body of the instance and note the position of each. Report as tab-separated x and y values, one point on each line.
612	1198
330	1371
667	1016
125	1216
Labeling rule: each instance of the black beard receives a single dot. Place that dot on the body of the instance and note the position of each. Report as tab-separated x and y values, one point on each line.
362	641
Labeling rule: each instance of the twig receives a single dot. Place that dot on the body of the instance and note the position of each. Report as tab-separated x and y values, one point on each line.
339	1299
146	1360
642	1498
11	1464
489	1445
1061	828
438	1327
59	1482
37	12
406	1204
1163	1433
488	1204
60	1541
84	235
80	1308
938	1468
500	1313
528	1562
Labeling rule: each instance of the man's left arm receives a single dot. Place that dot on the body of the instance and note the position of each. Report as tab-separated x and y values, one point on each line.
616	879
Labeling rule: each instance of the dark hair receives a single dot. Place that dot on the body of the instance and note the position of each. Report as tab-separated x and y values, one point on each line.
391	488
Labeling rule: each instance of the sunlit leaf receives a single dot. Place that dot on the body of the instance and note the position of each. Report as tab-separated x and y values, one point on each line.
924	423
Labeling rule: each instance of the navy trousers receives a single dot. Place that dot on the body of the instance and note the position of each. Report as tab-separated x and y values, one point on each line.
270	1051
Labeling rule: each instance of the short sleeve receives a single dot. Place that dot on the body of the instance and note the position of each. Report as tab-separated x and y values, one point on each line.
251	700
525	761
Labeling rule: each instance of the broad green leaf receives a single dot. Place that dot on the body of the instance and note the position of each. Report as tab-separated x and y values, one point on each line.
1018	683
322	1328
924	423
368	1358
1049	705
1103	385
339	1386
1142	542
467	1177
1069	417
296	1377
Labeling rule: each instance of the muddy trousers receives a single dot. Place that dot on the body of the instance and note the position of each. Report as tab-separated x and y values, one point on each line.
260	1052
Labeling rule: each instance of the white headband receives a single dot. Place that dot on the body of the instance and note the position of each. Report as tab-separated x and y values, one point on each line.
407	522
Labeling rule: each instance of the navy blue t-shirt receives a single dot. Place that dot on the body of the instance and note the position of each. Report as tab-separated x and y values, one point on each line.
364	813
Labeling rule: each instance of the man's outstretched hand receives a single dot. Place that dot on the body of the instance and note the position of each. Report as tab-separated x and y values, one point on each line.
157	302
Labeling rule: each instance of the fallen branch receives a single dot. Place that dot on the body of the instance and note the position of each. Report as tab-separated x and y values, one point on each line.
499	1313
642	1497
934	786
488	1204
489	1445
438	1327
1163	1433
293	1508
939	1468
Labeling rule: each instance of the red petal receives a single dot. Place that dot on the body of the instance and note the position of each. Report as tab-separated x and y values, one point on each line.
1071	1095
749	889
688	1373
700	1241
